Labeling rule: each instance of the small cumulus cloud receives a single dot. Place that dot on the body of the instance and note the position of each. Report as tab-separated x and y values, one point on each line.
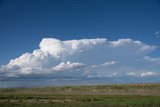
131	74
142	74
68	66
149	74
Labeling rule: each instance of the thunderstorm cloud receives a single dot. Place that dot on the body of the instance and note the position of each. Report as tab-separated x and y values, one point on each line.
86	58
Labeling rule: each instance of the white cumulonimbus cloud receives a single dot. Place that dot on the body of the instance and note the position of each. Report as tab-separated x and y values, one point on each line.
98	57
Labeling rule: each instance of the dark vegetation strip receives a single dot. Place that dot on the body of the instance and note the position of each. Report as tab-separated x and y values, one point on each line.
137	88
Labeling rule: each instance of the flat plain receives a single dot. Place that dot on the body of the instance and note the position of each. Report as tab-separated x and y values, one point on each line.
116	95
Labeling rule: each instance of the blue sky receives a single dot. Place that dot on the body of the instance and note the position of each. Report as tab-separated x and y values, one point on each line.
24	23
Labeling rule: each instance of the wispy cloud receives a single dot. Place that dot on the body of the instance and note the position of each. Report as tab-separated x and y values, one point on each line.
106	64
157	34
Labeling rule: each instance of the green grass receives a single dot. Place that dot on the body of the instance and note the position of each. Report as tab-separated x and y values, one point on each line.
79	100
129	95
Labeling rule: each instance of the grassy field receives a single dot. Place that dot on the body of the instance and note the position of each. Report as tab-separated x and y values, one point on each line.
129	95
